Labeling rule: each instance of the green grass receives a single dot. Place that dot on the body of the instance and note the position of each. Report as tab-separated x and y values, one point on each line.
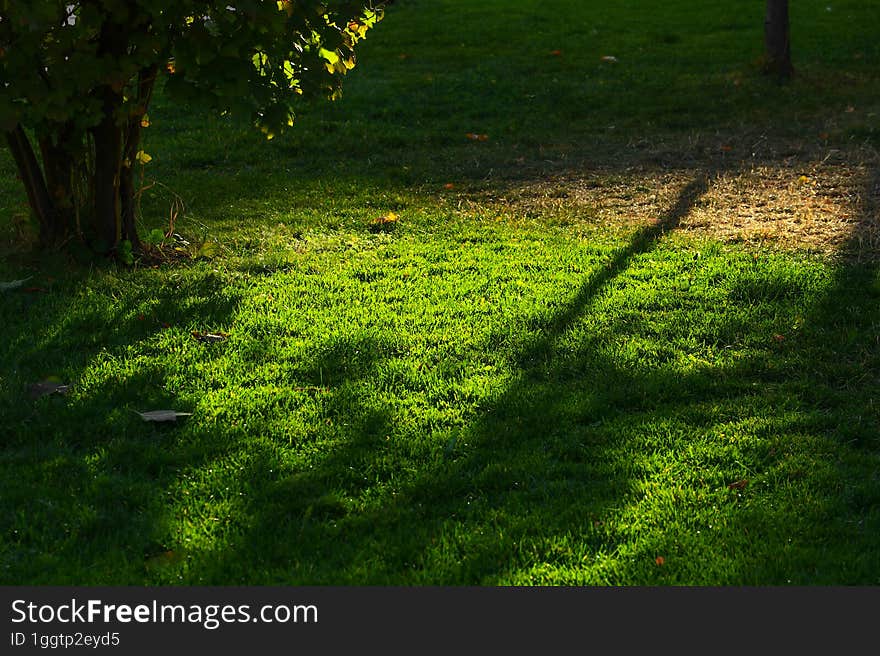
502	389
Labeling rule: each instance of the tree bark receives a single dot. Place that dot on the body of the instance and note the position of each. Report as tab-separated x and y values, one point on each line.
58	158
128	206
108	164
108	138
777	44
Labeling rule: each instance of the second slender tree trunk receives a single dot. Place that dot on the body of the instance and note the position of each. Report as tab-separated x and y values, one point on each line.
777	44
127	191
31	175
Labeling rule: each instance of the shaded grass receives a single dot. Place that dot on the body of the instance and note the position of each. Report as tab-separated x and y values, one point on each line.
494	391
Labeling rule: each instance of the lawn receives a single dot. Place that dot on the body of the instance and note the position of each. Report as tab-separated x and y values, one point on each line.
628	335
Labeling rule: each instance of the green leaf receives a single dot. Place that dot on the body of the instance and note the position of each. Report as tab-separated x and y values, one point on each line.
125	253
208	250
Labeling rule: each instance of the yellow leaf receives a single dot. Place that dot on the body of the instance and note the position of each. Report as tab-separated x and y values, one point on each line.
357	28
384	222
142	157
285	5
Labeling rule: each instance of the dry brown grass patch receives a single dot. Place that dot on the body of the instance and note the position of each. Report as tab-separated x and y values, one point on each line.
824	202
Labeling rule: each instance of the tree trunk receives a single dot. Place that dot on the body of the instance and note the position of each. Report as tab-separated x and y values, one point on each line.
58	156
110	202
127	202
39	199
108	164
108	138
777	45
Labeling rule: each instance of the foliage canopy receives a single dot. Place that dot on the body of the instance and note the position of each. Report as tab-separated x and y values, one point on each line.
78	77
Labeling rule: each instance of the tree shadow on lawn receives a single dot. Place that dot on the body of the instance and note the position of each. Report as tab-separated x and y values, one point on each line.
94	495
589	471
82	474
589	467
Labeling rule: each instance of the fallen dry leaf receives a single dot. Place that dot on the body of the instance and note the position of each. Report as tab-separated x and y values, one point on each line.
660	560
162	415
12	284
611	59
473	136
46	387
384	222
163	559
738	485
210	337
